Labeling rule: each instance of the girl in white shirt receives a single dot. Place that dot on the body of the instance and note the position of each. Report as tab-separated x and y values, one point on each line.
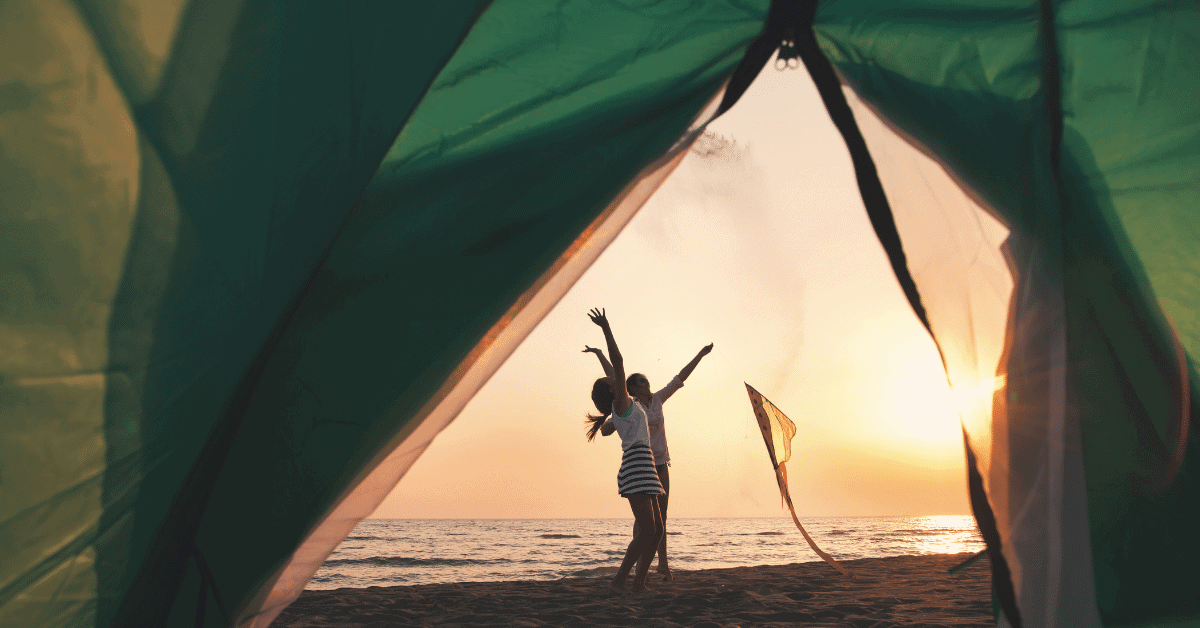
639	388
637	480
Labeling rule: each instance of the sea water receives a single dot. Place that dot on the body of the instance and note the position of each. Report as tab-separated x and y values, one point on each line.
385	552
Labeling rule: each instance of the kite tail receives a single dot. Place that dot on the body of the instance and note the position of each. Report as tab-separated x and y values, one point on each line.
781	475
967	563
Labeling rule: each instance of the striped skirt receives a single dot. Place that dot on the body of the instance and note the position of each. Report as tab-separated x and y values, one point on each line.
637	475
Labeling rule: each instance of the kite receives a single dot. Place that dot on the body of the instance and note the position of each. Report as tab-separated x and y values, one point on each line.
777	431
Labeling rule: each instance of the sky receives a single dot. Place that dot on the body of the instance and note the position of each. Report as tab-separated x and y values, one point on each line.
764	249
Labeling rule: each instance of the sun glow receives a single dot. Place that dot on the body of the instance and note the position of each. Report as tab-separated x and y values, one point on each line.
974	399
915	401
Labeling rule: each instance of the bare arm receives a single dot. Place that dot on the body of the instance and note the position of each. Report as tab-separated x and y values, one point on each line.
691	366
608	428
621	402
608	371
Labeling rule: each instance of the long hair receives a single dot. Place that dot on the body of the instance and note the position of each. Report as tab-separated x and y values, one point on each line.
603	397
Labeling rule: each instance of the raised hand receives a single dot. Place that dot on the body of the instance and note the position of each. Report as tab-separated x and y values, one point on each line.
691	366
615	369
608	370
598	317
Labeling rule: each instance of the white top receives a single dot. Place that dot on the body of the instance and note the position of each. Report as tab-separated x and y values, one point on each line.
656	421
632	426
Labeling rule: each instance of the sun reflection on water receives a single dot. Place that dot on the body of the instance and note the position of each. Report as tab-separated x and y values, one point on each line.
944	534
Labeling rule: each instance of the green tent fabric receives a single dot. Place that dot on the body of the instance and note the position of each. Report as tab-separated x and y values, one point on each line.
1068	126
255	255
163	222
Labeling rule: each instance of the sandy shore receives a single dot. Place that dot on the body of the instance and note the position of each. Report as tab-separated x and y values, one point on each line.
901	591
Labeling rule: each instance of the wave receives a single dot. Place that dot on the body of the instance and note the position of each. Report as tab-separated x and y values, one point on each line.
560	536
592	573
404	561
768	533
365	538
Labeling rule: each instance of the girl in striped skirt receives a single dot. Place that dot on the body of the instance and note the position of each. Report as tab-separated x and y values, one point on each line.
637	480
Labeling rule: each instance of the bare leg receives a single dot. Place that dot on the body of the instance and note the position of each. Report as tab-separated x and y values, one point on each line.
631	554
644	542
636	531
664	477
653	532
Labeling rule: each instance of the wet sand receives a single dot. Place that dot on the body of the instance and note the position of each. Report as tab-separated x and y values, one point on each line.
907	591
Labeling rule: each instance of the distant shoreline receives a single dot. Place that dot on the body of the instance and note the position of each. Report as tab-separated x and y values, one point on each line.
893	591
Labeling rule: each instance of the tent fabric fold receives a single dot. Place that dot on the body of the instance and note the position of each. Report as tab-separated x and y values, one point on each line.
487	356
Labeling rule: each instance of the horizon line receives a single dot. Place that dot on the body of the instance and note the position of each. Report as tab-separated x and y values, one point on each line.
672	518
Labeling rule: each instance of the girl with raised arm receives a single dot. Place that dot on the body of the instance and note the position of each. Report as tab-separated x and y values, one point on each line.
652	403
637	479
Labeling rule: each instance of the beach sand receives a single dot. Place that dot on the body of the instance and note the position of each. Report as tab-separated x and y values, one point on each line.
899	591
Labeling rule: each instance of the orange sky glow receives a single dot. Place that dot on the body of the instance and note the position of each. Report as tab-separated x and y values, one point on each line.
763	249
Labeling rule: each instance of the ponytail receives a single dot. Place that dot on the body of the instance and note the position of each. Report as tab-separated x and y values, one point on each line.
602	397
594	423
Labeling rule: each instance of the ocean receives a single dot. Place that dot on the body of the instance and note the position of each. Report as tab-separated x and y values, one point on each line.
386	552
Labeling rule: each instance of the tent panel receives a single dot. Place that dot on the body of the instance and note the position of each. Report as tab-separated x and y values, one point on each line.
949	102
967	265
295	108
1131	160
155	246
1108	228
68	171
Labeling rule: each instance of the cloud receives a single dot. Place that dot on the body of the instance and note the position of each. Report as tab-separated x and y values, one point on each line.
715	222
